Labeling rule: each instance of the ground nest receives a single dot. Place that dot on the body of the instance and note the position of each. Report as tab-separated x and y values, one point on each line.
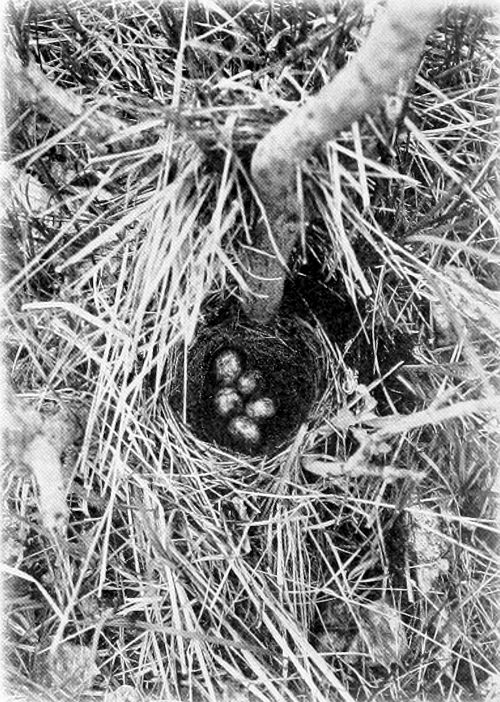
249	388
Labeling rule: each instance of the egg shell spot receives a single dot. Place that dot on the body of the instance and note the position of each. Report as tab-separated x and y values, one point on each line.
227	367
242	427
227	400
263	408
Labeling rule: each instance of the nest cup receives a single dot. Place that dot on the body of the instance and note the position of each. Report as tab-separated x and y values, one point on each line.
289	357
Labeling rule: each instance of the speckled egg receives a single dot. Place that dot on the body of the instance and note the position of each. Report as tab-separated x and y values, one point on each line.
227	400
228	367
244	429
263	408
250	381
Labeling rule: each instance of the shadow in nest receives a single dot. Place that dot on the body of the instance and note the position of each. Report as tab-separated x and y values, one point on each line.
322	299
253	418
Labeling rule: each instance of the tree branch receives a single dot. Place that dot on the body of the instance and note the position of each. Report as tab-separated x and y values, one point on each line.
64	107
390	54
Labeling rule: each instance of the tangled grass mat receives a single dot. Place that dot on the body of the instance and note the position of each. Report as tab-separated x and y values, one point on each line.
352	554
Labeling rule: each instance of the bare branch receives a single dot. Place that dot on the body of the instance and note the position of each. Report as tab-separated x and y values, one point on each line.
65	108
390	54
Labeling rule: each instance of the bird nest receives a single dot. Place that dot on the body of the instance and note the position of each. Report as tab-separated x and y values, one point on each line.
248	389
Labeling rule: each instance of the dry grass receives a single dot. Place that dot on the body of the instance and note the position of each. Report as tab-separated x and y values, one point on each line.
186	569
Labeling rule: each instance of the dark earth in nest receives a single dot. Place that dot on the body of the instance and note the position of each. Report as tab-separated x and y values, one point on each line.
287	355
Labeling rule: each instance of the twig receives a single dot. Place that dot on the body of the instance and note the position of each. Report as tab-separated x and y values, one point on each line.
65	108
395	424
371	444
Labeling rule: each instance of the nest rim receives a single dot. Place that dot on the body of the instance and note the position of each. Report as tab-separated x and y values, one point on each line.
290	346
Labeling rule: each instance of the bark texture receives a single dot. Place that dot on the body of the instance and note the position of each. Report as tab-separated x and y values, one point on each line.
391	53
65	108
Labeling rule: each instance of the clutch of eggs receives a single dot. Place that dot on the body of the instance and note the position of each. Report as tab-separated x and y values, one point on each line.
263	408
227	366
